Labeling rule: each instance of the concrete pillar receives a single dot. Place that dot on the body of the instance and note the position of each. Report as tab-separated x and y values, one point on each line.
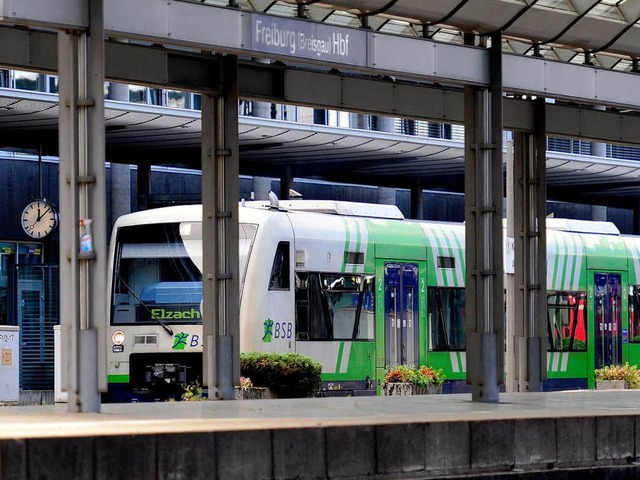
417	201
82	196
143	186
599	148
386	196
286	184
120	191
118	91
483	220
261	185
261	188
386	124
359	121
636	217
220	192
260	109
598	213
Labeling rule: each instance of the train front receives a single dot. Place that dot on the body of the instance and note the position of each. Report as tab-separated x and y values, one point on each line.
154	349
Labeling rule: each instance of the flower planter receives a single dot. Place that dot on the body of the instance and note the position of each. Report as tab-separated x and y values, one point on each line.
611	384
401	389
396	389
253	393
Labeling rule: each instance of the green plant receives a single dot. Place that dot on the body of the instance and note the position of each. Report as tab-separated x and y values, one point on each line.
420	377
288	375
193	393
627	372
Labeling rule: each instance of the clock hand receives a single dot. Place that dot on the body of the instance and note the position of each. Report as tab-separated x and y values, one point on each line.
40	215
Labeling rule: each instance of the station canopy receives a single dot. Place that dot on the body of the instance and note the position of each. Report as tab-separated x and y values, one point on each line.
604	32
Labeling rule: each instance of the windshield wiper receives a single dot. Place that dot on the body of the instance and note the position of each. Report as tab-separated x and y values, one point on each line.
166	327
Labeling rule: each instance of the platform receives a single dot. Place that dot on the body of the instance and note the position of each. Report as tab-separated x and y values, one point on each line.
550	435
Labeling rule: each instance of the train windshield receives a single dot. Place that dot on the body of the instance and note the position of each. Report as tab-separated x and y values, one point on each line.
157	274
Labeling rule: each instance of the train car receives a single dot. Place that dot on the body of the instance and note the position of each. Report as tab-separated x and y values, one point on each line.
356	287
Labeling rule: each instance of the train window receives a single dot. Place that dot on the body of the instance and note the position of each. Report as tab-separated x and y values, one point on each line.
354	258
446	262
156	276
334	306
566	322
280	269
446	307
634	313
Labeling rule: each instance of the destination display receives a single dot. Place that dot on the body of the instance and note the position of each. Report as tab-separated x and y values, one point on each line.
302	39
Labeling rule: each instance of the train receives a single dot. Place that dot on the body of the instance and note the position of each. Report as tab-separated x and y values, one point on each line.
358	288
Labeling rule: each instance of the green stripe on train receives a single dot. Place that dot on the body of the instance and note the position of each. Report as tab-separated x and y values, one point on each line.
118	378
360	363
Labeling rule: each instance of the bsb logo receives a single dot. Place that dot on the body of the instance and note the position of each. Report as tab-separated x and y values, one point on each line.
181	340
276	330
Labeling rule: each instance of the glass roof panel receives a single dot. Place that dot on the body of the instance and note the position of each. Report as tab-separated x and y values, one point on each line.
343	19
397	27
606	11
447	35
623	66
557	5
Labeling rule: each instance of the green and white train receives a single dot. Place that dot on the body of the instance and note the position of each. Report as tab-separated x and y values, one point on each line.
356	287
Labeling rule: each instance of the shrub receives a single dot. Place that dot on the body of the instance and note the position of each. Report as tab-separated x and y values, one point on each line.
288	375
420	377
627	372
193	393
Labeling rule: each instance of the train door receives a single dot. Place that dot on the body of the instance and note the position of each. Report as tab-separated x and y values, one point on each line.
608	335
401	314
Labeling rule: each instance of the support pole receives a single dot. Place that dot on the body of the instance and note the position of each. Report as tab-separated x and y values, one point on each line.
511	376
220	191
483	218
82	196
530	253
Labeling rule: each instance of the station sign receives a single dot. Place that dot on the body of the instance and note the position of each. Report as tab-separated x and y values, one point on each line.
303	39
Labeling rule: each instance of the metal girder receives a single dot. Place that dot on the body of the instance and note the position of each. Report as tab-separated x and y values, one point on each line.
83	198
220	236
484	325
530	296
211	28
161	67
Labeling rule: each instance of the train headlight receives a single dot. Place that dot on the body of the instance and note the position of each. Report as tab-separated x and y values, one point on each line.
118	337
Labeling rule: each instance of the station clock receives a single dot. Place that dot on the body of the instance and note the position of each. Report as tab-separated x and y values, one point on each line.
39	219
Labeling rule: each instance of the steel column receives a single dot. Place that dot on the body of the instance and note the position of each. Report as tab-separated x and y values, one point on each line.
483	217
220	192
82	196
530	254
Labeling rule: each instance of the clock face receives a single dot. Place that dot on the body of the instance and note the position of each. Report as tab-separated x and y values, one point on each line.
39	219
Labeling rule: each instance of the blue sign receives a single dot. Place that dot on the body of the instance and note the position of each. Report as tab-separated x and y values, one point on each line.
625	335
302	39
